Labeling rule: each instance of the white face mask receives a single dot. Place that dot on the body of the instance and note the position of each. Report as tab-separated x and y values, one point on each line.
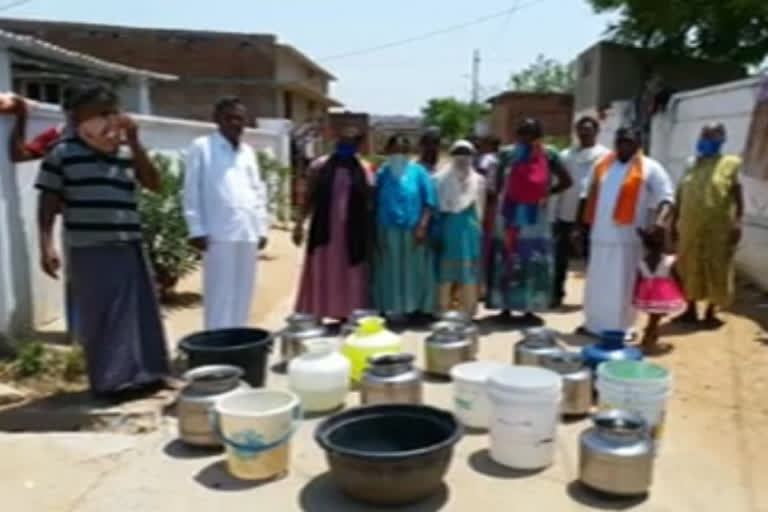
397	163
462	162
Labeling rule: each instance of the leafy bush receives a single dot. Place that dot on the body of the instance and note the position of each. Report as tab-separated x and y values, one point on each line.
277	179
164	227
30	360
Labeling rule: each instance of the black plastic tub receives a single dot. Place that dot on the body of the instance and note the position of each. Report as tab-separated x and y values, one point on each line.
389	454
245	348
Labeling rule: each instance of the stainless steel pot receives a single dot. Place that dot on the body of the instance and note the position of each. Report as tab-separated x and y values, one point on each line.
357	315
300	327
206	385
536	343
577	381
446	347
468	327
391	379
616	455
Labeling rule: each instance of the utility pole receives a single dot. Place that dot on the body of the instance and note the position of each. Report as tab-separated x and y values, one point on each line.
476	77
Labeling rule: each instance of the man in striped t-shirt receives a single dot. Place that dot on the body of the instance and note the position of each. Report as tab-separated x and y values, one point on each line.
93	183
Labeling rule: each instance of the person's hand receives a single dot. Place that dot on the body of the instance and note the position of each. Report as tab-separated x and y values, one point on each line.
735	234
50	262
298	234
263	243
130	128
200	243
420	234
12	104
578	240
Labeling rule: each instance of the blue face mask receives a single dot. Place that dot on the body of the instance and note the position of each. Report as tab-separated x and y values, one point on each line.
708	147
346	149
525	151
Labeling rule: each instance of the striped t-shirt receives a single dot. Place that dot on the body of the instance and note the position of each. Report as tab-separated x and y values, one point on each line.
98	191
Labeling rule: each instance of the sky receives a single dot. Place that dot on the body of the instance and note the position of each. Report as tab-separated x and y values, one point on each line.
396	80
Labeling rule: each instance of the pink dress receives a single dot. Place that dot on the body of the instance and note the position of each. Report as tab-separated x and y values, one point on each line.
330	287
658	292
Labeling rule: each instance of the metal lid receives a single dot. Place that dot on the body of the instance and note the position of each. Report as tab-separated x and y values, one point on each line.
617	422
455	316
388	365
564	362
299	321
540	337
213	373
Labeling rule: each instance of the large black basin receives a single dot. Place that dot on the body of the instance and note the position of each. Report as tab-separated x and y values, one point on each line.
389	454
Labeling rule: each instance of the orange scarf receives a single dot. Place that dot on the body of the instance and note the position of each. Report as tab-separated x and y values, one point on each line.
626	206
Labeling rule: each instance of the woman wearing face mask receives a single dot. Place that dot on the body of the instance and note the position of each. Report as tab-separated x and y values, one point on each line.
521	273
404	278
334	280
709	209
461	191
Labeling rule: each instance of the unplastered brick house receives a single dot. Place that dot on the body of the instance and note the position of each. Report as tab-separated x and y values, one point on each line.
274	79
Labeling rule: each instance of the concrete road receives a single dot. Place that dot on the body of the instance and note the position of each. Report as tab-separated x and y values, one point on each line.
714	454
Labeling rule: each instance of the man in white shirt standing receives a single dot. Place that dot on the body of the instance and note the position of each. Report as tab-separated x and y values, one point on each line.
225	204
626	191
579	161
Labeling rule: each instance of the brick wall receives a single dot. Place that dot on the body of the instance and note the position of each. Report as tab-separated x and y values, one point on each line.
553	110
209	64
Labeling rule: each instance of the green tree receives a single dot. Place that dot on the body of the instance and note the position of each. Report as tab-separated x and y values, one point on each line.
455	118
721	30
544	75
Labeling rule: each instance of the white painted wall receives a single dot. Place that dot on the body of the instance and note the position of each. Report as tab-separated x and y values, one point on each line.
674	135
28	298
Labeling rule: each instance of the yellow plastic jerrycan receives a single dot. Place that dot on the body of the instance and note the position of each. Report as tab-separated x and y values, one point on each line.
369	339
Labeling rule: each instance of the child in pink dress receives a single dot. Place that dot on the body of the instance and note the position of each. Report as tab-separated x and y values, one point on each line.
658	292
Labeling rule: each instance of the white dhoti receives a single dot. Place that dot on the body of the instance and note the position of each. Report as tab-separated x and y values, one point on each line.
610	287
229	275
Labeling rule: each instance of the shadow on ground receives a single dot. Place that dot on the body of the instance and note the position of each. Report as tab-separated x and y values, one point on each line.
177	449
80	411
582	494
321	494
216	477
481	462
182	300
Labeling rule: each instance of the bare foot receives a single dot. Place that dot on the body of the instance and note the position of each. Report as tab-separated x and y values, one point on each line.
657	349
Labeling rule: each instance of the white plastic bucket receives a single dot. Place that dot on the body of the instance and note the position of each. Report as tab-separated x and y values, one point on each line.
636	386
524	416
256	428
470	392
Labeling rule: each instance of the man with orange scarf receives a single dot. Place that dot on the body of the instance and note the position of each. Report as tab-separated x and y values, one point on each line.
626	191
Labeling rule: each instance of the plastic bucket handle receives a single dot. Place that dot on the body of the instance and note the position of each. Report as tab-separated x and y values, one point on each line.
213	417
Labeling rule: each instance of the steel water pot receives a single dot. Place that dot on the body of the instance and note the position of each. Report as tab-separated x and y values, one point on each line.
206	385
352	322
577	381
616	455
464	321
300	328
536	343
446	347
391	379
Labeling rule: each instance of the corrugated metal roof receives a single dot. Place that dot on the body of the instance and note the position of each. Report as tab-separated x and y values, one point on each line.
44	48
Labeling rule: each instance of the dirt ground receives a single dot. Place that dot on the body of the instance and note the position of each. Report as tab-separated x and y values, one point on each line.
713	458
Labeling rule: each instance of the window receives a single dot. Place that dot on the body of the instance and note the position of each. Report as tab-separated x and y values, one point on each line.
48	92
287	105
586	66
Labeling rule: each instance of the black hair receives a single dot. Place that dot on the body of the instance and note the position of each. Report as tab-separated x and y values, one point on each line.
394	140
492	140
629	132
80	95
530	127
588	120
226	103
431	133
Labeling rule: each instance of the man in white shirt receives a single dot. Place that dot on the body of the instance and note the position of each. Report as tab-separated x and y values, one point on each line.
625	191
225	204
579	160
